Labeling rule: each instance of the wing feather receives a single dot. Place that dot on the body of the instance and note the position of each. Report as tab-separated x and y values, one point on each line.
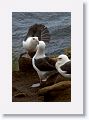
66	67
45	64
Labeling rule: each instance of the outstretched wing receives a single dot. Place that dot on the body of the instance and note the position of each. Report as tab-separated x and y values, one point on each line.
45	36
40	31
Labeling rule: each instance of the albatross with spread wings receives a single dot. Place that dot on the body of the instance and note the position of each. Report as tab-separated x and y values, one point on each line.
35	32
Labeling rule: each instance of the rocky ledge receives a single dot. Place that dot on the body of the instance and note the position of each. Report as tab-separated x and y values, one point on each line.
55	89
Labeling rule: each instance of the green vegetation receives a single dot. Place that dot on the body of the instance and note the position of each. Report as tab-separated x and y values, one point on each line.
15	66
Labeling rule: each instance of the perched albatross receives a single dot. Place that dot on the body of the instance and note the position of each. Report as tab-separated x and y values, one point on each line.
30	45
36	31
63	65
44	66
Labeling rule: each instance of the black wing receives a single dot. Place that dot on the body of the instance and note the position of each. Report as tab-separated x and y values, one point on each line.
45	36
40	31
45	64
67	67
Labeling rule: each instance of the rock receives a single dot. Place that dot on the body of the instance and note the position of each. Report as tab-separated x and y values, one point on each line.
58	92
14	89
21	87
58	86
25	62
60	78
20	95
22	82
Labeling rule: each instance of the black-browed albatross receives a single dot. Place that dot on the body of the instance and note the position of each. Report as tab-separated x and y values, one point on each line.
63	65
45	66
36	31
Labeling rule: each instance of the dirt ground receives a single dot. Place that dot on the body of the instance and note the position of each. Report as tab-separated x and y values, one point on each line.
23	92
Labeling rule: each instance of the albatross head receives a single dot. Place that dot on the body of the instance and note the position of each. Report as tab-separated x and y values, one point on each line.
31	43
40	50
41	45
62	59
34	40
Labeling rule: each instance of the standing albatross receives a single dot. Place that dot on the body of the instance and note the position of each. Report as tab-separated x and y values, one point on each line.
45	66
63	65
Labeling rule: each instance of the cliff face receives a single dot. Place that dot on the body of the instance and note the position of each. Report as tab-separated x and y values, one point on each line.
55	89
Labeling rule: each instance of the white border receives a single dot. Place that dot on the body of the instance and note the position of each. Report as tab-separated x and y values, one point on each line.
76	104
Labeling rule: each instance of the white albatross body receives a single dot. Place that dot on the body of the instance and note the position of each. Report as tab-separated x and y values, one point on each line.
63	65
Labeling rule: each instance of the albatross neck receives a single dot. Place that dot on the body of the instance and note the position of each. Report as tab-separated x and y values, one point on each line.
40	53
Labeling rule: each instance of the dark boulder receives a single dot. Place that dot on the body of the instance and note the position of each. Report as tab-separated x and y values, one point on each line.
25	62
59	92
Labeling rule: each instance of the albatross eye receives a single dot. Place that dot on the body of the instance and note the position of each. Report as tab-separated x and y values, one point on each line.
59	58
33	38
